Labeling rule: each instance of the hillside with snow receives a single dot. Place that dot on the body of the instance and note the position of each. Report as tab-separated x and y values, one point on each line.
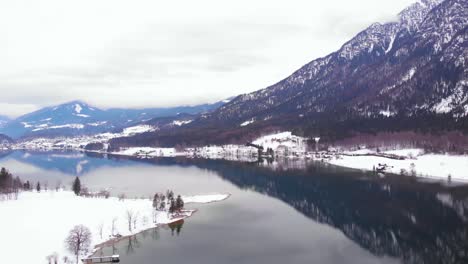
406	75
79	118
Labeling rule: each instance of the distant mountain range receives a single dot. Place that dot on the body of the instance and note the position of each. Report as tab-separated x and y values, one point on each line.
407	75
4	120
78	118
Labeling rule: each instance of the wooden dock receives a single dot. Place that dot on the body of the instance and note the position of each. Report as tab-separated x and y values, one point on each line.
103	259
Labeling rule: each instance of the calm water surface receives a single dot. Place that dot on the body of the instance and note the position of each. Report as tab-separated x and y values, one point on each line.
288	213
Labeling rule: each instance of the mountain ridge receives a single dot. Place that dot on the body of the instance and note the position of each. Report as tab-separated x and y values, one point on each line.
78	117
405	75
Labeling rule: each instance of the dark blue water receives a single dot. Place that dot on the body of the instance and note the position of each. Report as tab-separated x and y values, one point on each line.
309	213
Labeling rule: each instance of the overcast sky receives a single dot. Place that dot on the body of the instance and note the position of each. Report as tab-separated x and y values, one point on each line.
135	53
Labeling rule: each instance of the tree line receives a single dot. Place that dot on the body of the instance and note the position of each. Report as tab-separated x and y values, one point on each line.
10	185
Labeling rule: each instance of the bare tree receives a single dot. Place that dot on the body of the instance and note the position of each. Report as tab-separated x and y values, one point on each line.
58	185
413	169
53	258
135	219
114	220
122	196
130	216
100	229
78	241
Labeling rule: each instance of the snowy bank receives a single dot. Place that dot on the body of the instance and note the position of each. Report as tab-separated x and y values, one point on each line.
209	198
416	163
38	223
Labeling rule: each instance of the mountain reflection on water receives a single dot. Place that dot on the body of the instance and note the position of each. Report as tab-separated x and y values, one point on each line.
419	222
407	218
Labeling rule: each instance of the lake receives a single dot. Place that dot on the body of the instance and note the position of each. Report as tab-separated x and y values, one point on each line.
284	212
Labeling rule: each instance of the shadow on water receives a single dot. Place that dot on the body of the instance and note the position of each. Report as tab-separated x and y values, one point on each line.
399	216
418	222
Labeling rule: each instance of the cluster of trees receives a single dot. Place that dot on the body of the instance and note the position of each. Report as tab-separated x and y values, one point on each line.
452	142
81	190
270	152
10	185
162	202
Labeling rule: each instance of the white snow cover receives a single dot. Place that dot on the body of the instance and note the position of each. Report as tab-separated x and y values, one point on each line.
74	126
38	223
137	129
248	122
26	125
97	123
78	108
81	115
409	75
286	139
387	113
209	198
390	46
149	151
444	106
181	122
437	166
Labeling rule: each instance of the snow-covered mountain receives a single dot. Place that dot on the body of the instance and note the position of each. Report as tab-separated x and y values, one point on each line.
410	74
407	67
79	118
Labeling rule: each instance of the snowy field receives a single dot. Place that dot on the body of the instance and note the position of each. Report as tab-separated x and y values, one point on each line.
36	225
437	166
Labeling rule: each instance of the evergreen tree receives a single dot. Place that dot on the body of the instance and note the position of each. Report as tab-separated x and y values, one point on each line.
179	203
156	201
172	206
27	186
38	187
162	206
77	186
5	180
170	195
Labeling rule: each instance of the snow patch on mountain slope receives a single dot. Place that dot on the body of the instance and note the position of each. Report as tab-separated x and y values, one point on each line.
459	96
97	123
390	46
72	126
138	129
181	122
283	139
409	75
78	108
26	124
248	122
81	115
387	113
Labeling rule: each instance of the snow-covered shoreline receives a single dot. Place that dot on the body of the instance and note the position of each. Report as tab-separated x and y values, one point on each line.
40	222
414	162
287	146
